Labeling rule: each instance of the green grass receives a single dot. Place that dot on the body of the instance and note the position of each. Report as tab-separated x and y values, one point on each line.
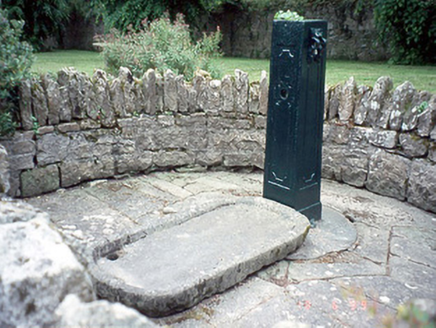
338	71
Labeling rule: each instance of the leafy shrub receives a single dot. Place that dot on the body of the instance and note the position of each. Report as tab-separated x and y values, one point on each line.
410	28
160	45
16	58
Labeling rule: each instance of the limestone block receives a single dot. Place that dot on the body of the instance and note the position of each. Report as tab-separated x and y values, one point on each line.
89	124
343	164
410	120
80	147
4	171
200	86
228	123
117	97
402	102
68	127
209	158
25	104
326	132
384	138
227	97
213	106
335	94
102	99
182	94
74	313
17	211
260	122
326	102
233	141
86	93
127	86
133	162
192	120
39	102
193	138
14	182
241	91
65	113
159	92
21	162
52	148
388	174
432	152
170	92
427	119
339	134
245	159
39	181
166	120
263	93
101	142
38	270
253	98
362	104
411	117
149	91
45	130
173	158
192	99
347	101
354	167
21	143
75	172
378	111
380	97
359	137
74	88
130	127
140	100
422	185
412	145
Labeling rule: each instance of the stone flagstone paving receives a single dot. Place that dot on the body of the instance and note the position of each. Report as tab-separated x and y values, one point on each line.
383	254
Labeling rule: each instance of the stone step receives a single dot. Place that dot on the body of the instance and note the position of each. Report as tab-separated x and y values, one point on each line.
175	268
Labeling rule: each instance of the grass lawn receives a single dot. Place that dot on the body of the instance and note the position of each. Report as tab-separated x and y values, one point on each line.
338	71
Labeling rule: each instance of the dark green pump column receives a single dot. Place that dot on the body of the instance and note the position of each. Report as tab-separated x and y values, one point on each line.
295	115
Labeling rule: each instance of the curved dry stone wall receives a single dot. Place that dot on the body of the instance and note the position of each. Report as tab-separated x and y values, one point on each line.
76	128
382	139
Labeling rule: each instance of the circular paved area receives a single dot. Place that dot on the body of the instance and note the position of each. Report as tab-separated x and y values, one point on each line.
353	272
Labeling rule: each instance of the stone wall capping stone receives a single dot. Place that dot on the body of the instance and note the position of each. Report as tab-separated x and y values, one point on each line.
347	101
100	126
45	129
68	127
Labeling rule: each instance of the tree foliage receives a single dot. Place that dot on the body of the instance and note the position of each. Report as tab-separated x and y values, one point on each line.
410	28
43	18
16	58
121	14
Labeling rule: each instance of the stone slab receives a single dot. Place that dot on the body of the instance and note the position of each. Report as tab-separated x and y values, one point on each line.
333	233
175	268
418	245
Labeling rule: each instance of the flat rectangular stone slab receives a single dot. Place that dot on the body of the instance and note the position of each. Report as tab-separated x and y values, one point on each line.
174	269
